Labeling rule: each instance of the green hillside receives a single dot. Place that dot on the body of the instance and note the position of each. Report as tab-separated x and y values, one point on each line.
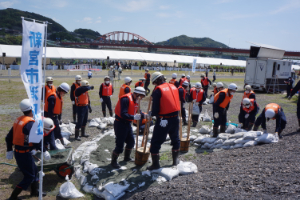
87	33
184	40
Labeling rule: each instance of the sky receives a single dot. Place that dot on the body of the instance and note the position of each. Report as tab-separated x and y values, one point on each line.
232	22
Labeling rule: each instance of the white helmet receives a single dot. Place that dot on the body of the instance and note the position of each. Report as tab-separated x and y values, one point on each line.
48	124
142	79
106	77
214	85
127	79
78	78
25	105
270	113
174	75
232	86
185	83
156	75
188	77
198	85
49	79
183	75
146	70
194	86
220	84
85	83
202	75
247	87
246	101
65	87
140	90
111	67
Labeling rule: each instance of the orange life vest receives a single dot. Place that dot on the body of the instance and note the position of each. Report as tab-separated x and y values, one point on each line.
198	96
76	86
49	91
182	80
192	89
169	101
215	90
19	138
106	89
184	92
274	107
83	99
139	83
204	82
172	81
146	77
227	99
132	107
248	95
251	108
122	90
58	104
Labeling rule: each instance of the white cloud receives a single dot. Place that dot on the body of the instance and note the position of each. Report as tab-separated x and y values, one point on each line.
6	4
98	20
162	7
291	5
133	5
87	19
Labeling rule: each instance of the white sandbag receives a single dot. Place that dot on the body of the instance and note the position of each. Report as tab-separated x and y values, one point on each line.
151	129
250	143
66	135
187	168
204	130
88	188
107	196
258	133
193	137
236	135
196	110
93	123
204	103
102	125
98	120
116	189
108	120
208	140
87	151
58	144
225	147
66	141
71	128
168	173
199	139
206	117
134	128
241	141
237	130
207	146
218	141
69	191
216	146
223	136
211	99
267	138
238	145
230	129
228	142
91	168
249	136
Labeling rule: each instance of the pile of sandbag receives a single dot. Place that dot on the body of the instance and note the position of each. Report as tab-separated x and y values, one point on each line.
67	129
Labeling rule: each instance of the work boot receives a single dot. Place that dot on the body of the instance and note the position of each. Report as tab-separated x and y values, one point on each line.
34	190
14	195
184	122
250	126
155	162
74	119
255	128
110	113
279	134
104	113
222	129
215	132
114	160
194	124
127	153
83	132
77	135
175	154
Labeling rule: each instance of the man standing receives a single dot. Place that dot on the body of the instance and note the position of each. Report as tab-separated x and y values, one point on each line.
105	92
125	113
147	76
111	74
205	83
206	72
125	88
83	108
49	88
182	79
174	81
119	72
220	107
214	75
289	86
294	91
165	107
182	95
19	137
198	97
90	74
248	113
140	83
72	94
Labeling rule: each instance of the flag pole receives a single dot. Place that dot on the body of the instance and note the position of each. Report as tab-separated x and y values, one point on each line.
42	148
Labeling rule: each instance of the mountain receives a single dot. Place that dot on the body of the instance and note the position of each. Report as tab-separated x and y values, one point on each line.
87	33
184	40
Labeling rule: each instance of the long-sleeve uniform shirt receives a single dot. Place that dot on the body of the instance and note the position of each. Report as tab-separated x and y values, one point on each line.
82	90
279	117
216	107
101	88
51	103
72	97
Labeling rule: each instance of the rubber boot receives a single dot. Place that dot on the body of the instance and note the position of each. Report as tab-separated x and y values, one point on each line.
77	135
14	195
114	160
110	113
194	124
250	126
175	154
279	134
215	132
127	153
184	121
34	190
74	119
298	130
222	129
255	128
104	113
155	162
83	132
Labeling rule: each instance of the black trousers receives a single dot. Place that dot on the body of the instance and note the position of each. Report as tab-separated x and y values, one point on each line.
124	134
106	102
146	87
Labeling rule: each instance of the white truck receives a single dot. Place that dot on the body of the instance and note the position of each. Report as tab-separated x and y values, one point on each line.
265	64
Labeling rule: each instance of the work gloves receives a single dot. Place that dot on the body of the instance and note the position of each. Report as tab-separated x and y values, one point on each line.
47	155
9	155
163	122
73	102
101	100
216	115
92	87
33	152
246	116
90	110
137	117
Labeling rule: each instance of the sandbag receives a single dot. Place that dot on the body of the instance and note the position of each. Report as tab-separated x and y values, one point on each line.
250	143
218	141
237	130
237	135
58	144
250	136
238	145
241	141
223	136
207	146
133	129
168	173
217	146
88	188
199	139
204	130
211	99
229	142
69	191
225	147
91	167
98	120
151	129
187	168
193	137
230	129
66	141
93	123
116	189
102	125
196	110
108	120
267	138
208	140
206	117
258	133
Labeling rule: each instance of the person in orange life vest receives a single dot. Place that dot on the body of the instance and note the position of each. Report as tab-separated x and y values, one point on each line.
294	91
247	94
53	108
49	88
205	82
19	137
125	88
182	96
142	123
165	107
83	108
105	92
220	87
198	97
174	81
193	87
147	76
141	82
248	113
271	111
125	113
215	91
49	140
188	78
220	107
182	79
72	94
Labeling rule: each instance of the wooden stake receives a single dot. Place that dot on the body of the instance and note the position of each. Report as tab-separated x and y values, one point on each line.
138	125
147	124
147	128
189	122
180	123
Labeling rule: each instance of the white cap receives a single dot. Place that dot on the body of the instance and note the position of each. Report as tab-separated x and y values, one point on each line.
49	79
188	77
156	75
174	75
220	84
111	67
246	101
270	113
127	79
85	83
232	86
248	87
25	105
140	90
48	123
78	78
65	87
185	83
198	85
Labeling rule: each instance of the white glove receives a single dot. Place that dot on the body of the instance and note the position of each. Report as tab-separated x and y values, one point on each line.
101	100
240	125
246	116
47	155
163	122
137	117
42	173
73	102
110	96
195	100
9	155
265	131
33	152
216	115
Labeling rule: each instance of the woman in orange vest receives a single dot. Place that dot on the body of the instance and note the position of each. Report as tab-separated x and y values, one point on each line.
105	92
271	111
182	96
205	83
49	88
125	88
248	113
125	113
173	80
72	94
141	82
83	108
147	76
165	107
198	97
220	107
18	137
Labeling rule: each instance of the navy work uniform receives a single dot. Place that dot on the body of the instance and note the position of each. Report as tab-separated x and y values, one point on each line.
105	92
72	97
147	76
50	140
289	86
247	115
199	96
205	81
182	94
294	91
